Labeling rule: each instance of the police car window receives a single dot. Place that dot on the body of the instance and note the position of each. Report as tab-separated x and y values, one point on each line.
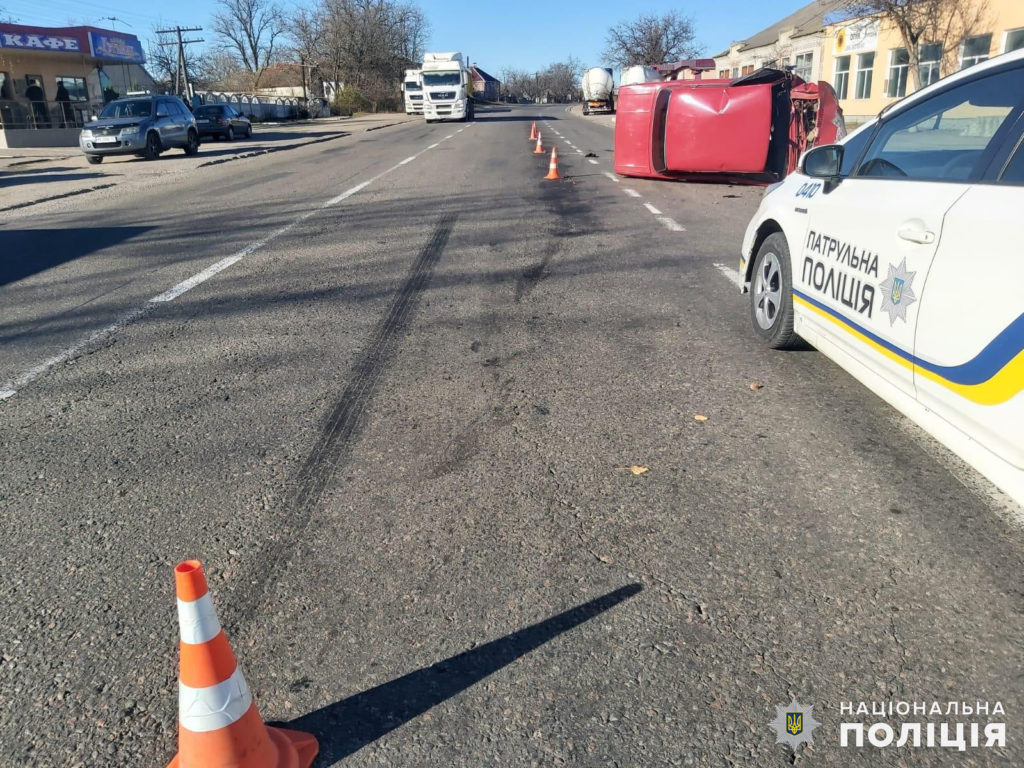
944	137
852	149
1013	172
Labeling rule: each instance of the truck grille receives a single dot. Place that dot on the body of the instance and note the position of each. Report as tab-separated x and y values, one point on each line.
442	96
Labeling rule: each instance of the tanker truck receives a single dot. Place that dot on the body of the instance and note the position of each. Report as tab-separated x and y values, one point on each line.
412	90
447	87
598	91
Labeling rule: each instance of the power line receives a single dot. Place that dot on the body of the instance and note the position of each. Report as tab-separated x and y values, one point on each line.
181	75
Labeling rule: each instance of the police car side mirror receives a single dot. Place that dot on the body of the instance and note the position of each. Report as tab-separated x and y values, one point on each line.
823	162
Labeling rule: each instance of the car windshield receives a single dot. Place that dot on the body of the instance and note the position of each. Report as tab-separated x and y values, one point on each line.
441	78
208	112
129	108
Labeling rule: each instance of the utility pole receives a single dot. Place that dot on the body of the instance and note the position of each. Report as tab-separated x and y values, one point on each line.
181	74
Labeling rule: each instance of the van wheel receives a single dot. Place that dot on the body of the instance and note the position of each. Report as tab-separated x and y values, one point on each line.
230	135
771	294
153	148
94	159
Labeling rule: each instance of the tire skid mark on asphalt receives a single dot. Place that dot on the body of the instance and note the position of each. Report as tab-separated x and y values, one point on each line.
11	387
345	421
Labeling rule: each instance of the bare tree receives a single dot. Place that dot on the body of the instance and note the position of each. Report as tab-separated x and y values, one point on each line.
251	30
366	44
924	22
651	39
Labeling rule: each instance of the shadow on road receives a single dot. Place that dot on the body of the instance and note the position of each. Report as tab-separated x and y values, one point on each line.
50	174
30	251
348	725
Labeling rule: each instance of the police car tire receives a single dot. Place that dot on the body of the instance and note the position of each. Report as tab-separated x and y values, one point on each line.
781	334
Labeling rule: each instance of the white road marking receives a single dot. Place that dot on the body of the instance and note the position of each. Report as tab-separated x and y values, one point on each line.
34	373
730	274
612	176
631	192
434	146
592	161
652	209
449	136
671	224
201	277
11	388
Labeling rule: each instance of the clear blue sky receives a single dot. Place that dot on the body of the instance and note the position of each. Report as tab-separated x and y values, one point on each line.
524	35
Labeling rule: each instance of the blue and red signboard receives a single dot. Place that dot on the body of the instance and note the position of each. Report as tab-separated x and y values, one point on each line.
112	46
103	44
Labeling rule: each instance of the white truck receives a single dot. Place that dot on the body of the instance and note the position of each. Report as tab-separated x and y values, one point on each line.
598	91
447	87
412	90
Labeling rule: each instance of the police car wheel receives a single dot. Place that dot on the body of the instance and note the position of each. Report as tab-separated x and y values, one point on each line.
771	294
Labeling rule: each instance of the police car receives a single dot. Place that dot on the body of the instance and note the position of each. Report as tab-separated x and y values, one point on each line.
899	253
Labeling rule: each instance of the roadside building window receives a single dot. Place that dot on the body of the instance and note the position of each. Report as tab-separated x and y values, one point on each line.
842	81
944	137
75	86
929	59
975	50
865	71
1014	40
899	64
5	86
804	66
723	74
735	71
748	69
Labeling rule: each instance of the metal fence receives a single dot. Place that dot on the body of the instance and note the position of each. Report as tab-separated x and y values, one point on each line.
252	105
43	114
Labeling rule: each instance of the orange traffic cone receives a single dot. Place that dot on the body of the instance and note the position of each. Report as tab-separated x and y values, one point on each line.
553	174
539	150
218	723
533	132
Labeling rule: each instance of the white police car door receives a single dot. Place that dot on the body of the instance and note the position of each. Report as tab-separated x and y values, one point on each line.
862	268
970	338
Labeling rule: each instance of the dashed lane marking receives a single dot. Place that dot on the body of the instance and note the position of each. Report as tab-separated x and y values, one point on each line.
671	224
730	274
12	387
652	209
612	176
631	192
592	161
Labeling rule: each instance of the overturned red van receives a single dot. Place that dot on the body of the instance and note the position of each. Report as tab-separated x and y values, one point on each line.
751	130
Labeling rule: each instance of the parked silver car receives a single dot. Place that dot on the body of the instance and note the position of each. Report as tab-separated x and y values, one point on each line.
140	125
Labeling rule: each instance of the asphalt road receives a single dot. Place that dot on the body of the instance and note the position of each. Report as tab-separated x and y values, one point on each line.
398	431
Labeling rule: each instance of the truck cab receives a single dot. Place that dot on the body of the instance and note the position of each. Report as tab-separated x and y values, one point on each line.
412	91
447	87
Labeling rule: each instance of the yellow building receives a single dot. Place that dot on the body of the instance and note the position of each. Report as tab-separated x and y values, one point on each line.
867	63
